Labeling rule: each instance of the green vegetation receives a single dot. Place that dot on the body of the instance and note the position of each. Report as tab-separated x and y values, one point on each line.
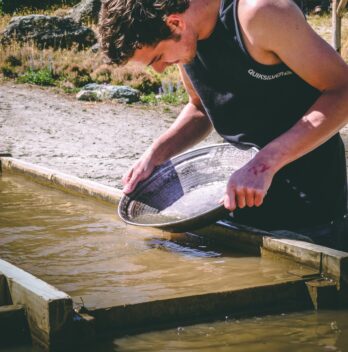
42	77
175	98
71	69
323	26
9	6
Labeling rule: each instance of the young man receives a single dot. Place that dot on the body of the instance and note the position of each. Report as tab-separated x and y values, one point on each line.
257	73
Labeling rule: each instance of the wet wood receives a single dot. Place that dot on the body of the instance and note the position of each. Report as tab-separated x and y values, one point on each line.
48	310
330	262
3	290
324	293
62	181
268	298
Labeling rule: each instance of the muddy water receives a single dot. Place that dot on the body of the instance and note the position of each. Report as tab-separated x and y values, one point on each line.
82	248
92	255
304	332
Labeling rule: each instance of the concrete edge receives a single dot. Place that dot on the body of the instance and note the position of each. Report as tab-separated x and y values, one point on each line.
48	310
61	180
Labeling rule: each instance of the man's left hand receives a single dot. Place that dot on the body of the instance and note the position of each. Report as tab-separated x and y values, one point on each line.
248	186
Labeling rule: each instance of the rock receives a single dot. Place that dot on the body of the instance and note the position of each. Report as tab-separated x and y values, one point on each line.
95	48
48	31
101	92
86	10
8	6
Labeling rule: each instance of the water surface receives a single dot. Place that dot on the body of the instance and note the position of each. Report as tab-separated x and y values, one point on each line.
81	247
310	331
304	332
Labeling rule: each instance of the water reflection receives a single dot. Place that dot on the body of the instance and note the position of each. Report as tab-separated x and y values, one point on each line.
81	247
308	331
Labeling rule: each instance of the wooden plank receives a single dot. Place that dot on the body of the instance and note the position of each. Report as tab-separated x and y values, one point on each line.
62	181
330	262
48	310
324	294
336	27
4	296
285	296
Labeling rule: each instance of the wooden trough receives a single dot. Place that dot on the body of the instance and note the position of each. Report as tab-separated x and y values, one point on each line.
31	307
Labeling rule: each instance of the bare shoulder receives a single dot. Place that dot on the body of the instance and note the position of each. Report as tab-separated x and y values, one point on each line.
258	10
278	29
263	20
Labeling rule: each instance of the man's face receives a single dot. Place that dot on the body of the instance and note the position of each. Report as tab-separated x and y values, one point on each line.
179	50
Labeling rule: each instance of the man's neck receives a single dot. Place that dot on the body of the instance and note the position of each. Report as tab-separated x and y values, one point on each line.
203	15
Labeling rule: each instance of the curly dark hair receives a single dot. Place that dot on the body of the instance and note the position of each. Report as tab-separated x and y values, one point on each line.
127	25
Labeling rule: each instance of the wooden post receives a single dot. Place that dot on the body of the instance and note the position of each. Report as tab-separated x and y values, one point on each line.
340	8
336	27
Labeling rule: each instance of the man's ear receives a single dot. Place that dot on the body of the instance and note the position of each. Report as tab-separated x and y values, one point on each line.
176	23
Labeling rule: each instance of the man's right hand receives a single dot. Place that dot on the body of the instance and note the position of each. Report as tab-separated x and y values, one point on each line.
191	126
141	170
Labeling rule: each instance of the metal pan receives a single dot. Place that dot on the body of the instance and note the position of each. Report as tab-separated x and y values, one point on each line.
183	193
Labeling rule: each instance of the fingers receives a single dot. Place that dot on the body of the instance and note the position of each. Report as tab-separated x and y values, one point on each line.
230	200
129	181
259	196
127	177
241	197
250	197
139	172
131	184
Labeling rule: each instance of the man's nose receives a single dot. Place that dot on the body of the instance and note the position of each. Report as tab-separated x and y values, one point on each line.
159	66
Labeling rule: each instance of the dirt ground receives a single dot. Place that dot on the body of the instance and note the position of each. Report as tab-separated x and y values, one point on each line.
97	141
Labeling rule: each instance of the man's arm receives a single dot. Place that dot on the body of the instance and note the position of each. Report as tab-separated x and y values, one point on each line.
277	31
191	126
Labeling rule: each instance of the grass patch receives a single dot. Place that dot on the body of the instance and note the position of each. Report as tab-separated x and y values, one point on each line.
175	98
42	77
70	69
323	26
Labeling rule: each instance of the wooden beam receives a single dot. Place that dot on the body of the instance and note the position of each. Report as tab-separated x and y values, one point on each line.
272	297
61	180
48	310
3	290
330	262
336	27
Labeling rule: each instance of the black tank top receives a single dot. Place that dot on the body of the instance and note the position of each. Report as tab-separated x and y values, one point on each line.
251	103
